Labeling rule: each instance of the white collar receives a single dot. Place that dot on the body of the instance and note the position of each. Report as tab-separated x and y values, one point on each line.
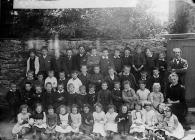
104	57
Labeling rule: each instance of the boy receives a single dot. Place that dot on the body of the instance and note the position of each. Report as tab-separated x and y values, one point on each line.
93	59
29	78
144	77
51	79
128	76
117	60
45	62
38	96
62	79
49	94
84	76
127	59
105	62
80	58
40	79
13	99
60	96
75	81
96	78
104	96
26	94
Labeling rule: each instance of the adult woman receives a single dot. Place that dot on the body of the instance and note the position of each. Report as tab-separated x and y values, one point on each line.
33	63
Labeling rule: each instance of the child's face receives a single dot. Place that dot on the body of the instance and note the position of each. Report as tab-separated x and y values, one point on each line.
161	56
49	87
62	75
30	75
69	53
148	52
117	53
13	87
74	110
82	90
86	109
156	72
167	113
139	50
111	110
81	50
62	111
44	52
117	86
148	108
104	86
111	71
105	53
98	109
156	89
60	87
24	111
71	88
28	87
92	89
126	86
96	70
124	109
93	51
32	54
127	52
40	77
143	75
51	74
51	111
39	109
38	89
74	75
138	107
142	86
84	69
127	69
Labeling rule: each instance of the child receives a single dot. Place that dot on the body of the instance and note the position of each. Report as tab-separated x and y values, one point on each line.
49	94
22	126
145	77
105	62
87	120
127	59
104	96
60	96
150	61
29	78
72	95
123	121
82	96
38	96
51	79
99	120
111	125
92	96
117	60
62	79
111	78
75	119
75	81
96	78
156	97
51	121
142	93
63	126
117	96
93	59
173	129
26	94
13	99
128	76
84	76
161	64
39	120
40	79
137	127
128	95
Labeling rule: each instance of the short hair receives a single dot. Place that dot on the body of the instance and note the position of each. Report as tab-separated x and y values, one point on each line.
156	68
70	84
39	104
111	106
59	108
98	105
176	50
62	72
126	48
28	83
40	73
32	51
38	85
49	71
104	82
50	107
60	84
45	48
126	82
23	106
74	106
86	105
74	72
117	82
81	87
104	49
138	103
48	83
91	86
142	82
96	66
30	72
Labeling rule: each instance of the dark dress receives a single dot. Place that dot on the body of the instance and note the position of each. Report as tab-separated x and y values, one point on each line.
129	78
87	127
78	60
118	64
127	60
92	99
104	97
111	81
174	93
45	64
38	98
85	79
27	97
117	98
60	98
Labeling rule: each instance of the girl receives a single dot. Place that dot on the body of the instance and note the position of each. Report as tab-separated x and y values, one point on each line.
75	118
22	126
39	120
51	121
87	120
156	97
174	128
137	128
123	120
99	120
128	95
142	93
111	125
63	126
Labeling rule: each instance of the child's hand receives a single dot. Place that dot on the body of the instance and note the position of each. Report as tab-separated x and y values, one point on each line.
86	121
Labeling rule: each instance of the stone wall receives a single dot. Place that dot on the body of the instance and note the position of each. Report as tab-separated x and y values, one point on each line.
14	53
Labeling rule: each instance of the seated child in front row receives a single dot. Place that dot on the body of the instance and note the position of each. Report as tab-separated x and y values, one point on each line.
99	120
87	120
75	119
63	127
22	126
111	125
123	120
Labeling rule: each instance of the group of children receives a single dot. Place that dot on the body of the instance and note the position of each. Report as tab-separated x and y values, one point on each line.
102	99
